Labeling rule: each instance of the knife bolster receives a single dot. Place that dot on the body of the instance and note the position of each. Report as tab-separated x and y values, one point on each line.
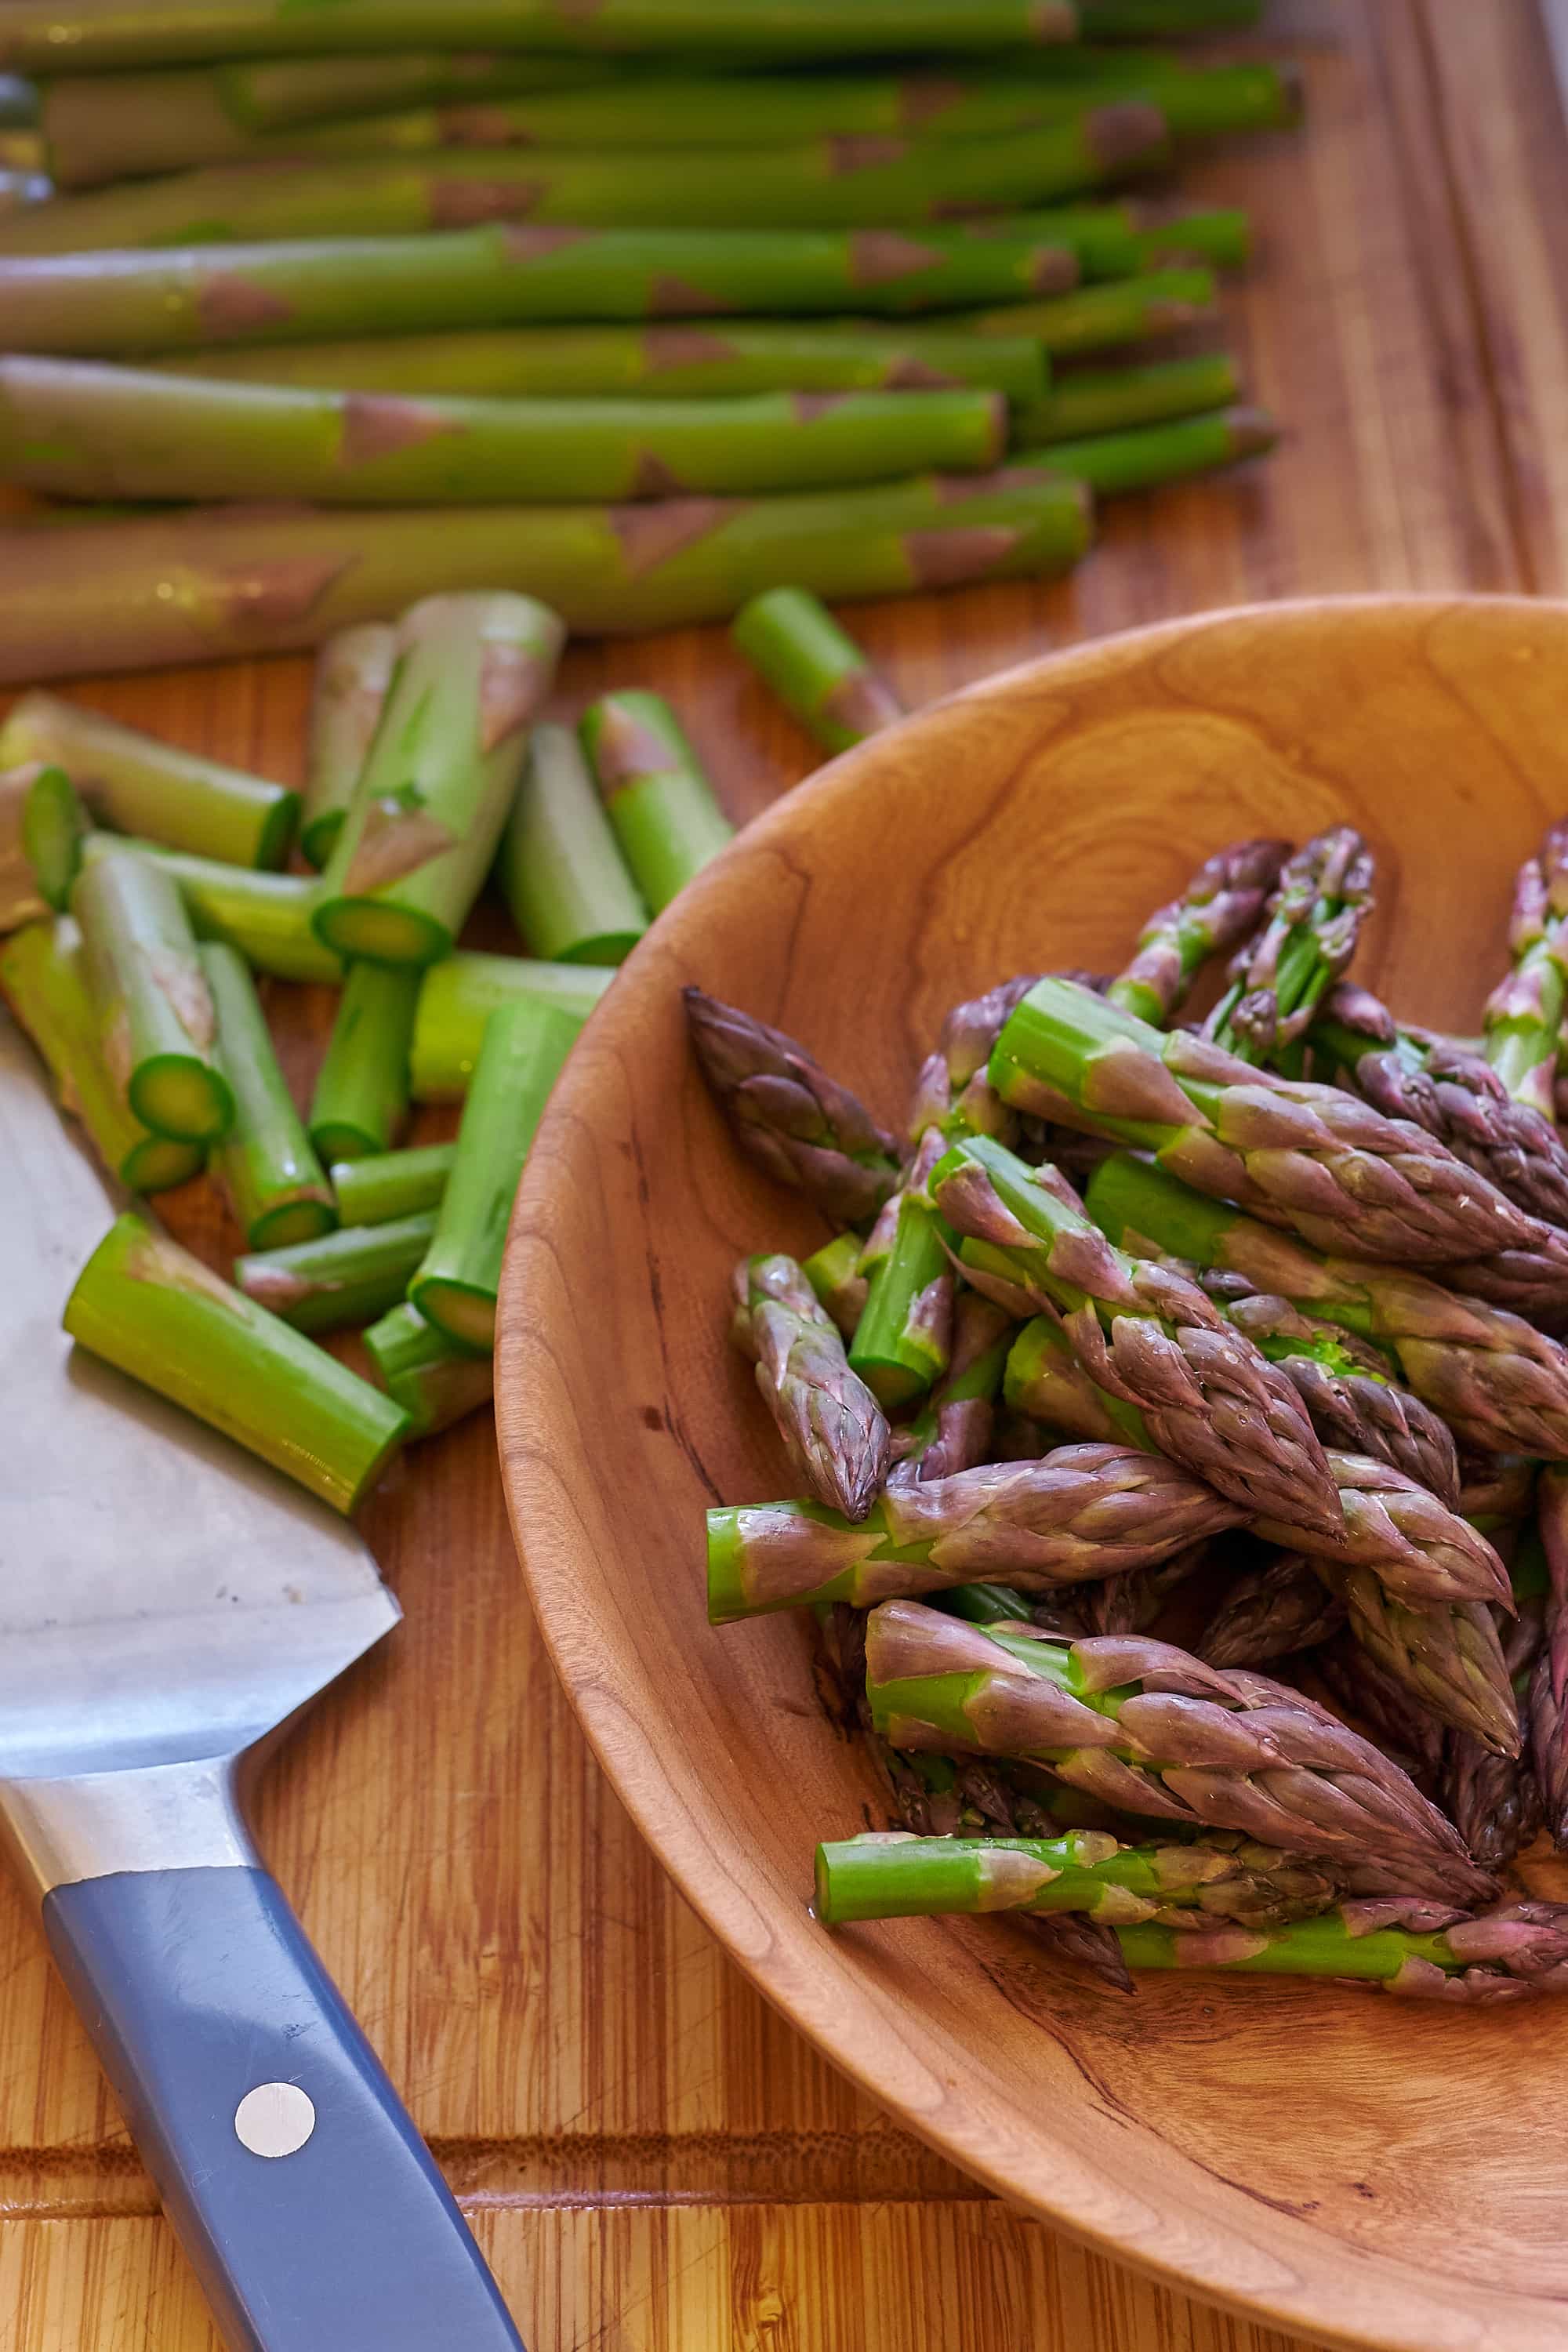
183	1816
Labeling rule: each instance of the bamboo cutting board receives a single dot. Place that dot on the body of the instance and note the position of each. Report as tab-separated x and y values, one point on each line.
653	2162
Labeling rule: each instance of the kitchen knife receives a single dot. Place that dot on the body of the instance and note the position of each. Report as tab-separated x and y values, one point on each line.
168	1606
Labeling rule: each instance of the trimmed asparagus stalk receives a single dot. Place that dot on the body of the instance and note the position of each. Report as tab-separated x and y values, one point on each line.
154	1010
149	1307
1220	237
267	917
21	900
432	798
1523	1016
832	1426
1144	1332
54	826
1303	946
436	1382
816	671
382	1185
1095	318
903	1341
560	869
273	1180
139	786
1152	1729
353	671
523	1054
823	184
834	1273
716	360
361	1089
1423	1954
269	580
1083	1511
1271	1613
1374	1187
660	804
79	430
458	997
43	980
1091	400
1219	906
348	1278
1114	463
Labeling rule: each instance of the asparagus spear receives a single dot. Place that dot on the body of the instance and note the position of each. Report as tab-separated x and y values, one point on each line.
560	871
1219	236
456	998
1219	905
1306	1156
1132	1603
833	1427
353	671
1395	1712
151	998
1114	463
1151	1729
1500	1386
903	1341
1142	1332
149	1307
432	795
822	184
1089	400
21	901
79	430
267	580
273	1178
436	1382
818	673
523	1054
1446	1653
1083	1511
1306	941
344	1279
1451	1092
1523	1016
1494	1800
361	1098
139	786
952	1430
54	826
660	804
1423	1952
785	1112
267	917
1271	1613
382	1185
717	359
1546	1705
952	1092
43	981
835	1275
1094	319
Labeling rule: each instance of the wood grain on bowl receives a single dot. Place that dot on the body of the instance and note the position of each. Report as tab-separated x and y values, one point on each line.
1389	2176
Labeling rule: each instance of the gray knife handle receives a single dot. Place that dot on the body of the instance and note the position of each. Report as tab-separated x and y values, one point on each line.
309	2205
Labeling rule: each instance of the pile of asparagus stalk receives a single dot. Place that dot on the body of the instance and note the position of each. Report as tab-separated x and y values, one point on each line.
1181	1417
670	305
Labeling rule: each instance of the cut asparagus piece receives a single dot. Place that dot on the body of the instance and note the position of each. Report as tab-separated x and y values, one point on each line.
1145	1333
267	917
816	671
436	1382
1219	906
140	786
560	869
303	573
1117	400
43	980
523	1054
1115	463
419	835
1303	946
344	1279
273	1178
361	1089
382	1185
903	1341
353	671
76	429
1095	318
153	1007
659	802
834	1273
149	1307
54	826
458	996
786	1113
832	1426
952	1430
1083	1511
712	360
820	183
1306	1156
1523	1016
21	900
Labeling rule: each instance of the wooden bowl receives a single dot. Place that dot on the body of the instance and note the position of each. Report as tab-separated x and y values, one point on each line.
1375	2171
